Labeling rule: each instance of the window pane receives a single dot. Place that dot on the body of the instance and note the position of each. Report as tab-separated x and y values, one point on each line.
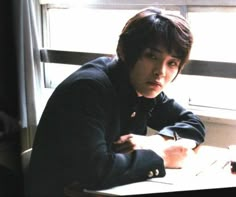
201	91
212	92
87	30
214	34
56	73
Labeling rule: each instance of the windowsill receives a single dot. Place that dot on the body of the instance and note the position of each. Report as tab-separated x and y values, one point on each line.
212	115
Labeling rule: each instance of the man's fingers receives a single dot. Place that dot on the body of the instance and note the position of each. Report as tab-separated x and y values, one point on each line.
123	139
124	147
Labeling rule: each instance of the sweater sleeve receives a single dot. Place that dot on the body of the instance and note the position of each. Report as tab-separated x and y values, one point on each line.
169	118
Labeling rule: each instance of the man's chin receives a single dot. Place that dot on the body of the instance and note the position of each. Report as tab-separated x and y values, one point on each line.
151	95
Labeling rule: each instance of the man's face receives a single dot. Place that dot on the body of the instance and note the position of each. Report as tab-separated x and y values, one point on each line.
153	71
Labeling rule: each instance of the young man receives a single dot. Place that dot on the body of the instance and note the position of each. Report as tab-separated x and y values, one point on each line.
93	129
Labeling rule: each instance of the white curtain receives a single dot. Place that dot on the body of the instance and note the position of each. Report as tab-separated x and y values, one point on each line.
28	42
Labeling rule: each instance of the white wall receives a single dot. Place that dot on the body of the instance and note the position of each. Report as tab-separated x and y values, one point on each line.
220	134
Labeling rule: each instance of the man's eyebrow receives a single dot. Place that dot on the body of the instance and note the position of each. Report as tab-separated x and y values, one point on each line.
156	49
160	51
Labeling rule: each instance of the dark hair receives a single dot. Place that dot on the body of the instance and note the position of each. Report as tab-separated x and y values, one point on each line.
150	27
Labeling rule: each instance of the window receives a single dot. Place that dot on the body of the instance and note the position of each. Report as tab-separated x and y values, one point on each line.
94	27
214	33
82	29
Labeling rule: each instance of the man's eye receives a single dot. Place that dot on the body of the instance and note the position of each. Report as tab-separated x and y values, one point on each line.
152	56
174	64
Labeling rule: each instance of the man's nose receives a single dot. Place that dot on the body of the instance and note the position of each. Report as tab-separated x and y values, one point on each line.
160	69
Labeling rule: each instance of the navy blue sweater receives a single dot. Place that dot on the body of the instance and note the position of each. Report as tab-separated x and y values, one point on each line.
86	113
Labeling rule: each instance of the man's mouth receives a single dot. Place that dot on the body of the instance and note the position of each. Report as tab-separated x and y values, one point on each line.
155	83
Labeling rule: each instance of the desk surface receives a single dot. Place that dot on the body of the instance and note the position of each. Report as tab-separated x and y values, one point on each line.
208	169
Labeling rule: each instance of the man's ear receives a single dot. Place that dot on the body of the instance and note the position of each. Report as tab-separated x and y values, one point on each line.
175	77
179	72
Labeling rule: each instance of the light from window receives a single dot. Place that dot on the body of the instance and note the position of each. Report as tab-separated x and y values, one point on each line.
97	30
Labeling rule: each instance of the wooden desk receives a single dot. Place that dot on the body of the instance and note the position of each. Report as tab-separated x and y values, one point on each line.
209	168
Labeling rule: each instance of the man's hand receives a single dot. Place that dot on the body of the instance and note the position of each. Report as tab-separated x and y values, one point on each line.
174	153
130	142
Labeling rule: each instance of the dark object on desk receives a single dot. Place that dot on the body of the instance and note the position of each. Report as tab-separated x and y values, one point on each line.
233	167
232	155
